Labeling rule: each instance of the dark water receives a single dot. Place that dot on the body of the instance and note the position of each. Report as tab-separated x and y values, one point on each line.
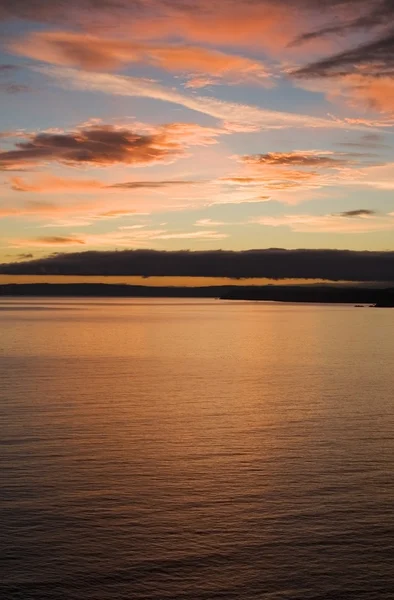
196	450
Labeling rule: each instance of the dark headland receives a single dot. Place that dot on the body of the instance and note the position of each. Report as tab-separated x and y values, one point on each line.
292	293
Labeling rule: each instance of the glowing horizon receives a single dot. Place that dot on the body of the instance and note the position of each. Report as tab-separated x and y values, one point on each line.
205	126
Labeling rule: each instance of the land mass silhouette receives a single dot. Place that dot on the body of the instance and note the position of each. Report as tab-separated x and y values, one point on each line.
277	293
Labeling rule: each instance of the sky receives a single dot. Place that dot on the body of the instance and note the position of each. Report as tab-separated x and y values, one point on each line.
200	125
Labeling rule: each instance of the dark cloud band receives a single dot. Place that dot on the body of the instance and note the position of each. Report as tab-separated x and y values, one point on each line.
334	265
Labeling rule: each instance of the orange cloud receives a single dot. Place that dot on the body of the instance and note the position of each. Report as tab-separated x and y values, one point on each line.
104	145
376	93
275	173
49	183
302	158
262	24
42	210
97	53
50	240
276	177
358	90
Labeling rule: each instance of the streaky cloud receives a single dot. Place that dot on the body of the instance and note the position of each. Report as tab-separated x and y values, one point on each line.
235	116
377	55
362	212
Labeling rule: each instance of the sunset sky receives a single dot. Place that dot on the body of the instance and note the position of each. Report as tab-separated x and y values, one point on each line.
194	124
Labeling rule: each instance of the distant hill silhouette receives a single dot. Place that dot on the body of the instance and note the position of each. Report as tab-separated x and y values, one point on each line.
291	293
322	294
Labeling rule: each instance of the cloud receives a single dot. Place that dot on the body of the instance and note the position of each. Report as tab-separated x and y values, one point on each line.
14	88
209	223
305	158
192	235
93	53
290	176
104	145
368	140
51	184
358	15
72	11
378	55
259	23
362	73
379	177
123	237
253	24
54	240
237	117
103	200
138	185
29	208
362	212
10	87
360	91
275	176
17	133
74	213
5	69
375	93
285	173
335	265
357	221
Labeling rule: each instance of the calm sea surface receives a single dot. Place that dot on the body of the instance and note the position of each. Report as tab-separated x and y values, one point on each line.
196	450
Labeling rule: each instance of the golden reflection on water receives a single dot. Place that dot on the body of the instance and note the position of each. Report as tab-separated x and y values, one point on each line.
164	446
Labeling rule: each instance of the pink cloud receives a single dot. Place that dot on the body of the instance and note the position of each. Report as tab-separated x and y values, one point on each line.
98	53
360	91
49	183
262	24
375	92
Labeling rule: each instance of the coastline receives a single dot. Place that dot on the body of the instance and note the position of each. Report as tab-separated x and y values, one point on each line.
313	294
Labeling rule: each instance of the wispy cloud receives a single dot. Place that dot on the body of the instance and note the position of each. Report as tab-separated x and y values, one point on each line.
358	90
287	176
140	185
299	158
50	240
51	184
239	117
6	69
350	222
14	88
209	223
122	237
377	55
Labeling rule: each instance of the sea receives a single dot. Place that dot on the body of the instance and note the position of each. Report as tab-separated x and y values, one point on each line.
164	449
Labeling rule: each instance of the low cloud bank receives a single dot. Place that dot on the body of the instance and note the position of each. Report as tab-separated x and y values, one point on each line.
333	265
